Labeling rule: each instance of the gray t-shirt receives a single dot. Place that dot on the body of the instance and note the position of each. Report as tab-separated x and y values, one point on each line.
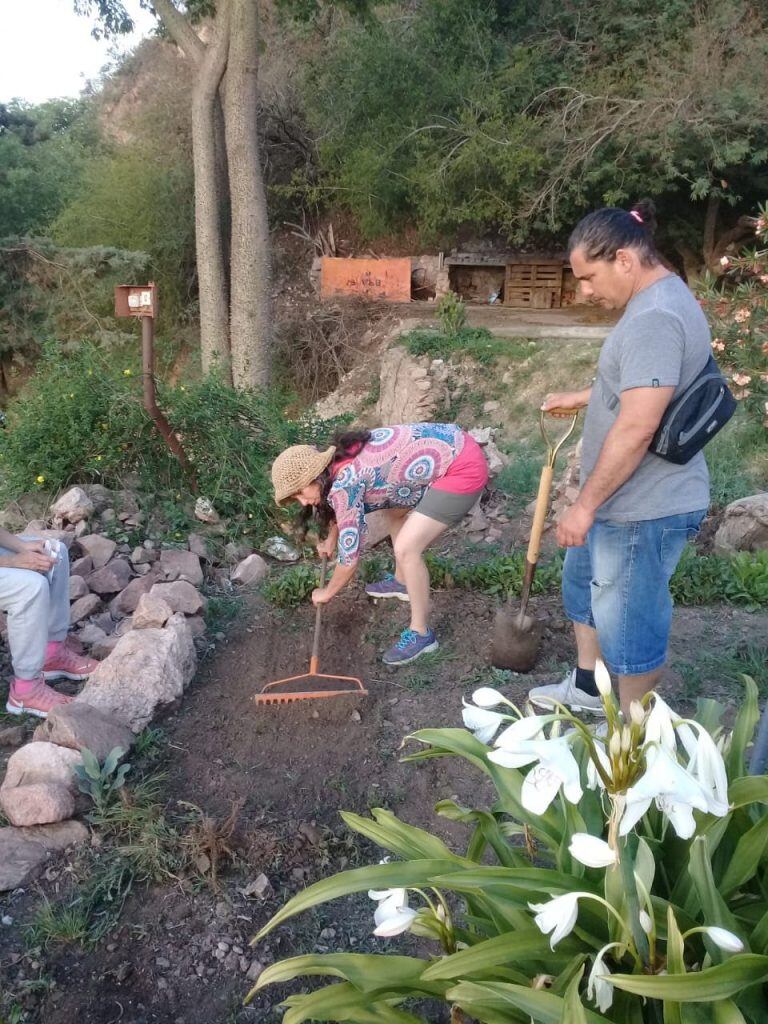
662	340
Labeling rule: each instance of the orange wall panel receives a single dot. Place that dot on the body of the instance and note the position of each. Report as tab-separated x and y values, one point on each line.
388	279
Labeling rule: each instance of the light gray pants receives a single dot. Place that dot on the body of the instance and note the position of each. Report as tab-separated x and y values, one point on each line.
38	611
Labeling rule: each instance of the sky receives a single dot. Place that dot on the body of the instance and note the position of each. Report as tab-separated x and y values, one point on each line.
47	51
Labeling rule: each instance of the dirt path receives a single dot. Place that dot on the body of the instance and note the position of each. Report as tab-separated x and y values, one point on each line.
180	953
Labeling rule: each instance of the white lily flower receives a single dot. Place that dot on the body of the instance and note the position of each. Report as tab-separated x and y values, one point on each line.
708	768
602	679
487	697
482	723
591	851
558	916
675	791
659	727
557	768
594	779
724	939
599	990
646	923
393	915
515	746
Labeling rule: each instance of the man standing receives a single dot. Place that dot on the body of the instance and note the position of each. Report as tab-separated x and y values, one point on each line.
34	592
635	512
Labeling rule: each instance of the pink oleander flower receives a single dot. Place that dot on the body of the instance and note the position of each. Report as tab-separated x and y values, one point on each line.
741	379
742	315
764	279
725	262
718	346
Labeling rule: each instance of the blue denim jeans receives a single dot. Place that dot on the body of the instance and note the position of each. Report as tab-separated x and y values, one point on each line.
618	582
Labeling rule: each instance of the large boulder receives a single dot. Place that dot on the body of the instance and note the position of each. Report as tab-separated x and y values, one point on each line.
42	762
252	569
77	588
73	506
38	804
147	669
744	526
126	601
80	726
83	607
151	612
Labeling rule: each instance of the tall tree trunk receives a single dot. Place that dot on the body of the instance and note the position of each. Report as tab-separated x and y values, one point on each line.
710	230
250	298
210	189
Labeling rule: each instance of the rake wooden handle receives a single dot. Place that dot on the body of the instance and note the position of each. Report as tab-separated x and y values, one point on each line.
564	413
315	658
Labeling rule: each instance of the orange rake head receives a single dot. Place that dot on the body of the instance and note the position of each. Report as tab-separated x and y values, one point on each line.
301	688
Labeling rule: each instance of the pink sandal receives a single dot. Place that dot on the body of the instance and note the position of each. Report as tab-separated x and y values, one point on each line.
37	702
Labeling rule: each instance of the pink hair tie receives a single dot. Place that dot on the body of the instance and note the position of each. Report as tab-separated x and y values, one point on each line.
636	215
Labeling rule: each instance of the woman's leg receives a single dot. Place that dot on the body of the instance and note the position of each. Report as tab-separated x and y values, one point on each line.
414	535
395	518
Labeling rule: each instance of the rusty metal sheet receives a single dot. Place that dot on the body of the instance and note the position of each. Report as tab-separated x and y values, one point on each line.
386	279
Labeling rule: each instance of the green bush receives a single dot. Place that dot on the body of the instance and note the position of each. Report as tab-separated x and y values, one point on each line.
291	587
81	419
452	314
474	342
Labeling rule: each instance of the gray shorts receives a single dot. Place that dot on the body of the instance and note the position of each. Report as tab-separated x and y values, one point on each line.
446	507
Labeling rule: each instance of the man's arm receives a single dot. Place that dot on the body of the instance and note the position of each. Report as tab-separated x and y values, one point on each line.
29	555
625	445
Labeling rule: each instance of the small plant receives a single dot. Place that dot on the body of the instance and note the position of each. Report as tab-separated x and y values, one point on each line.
57	923
452	314
102	783
291	587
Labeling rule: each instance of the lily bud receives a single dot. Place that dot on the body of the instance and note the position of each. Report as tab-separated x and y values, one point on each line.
602	679
614	745
645	922
626	740
724	939
636	712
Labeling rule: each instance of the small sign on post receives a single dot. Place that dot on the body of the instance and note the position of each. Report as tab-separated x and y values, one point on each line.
141	301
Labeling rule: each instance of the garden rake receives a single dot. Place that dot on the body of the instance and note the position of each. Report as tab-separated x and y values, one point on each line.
311	685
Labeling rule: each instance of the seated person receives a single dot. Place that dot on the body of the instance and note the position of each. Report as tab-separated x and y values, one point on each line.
34	593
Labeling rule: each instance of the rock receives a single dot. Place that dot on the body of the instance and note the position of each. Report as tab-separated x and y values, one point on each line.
744	526
99	548
496	459
73	506
151	612
107	517
111	578
199	546
148	668
377	528
142	570
84	607
57	837
77	588
251	570
181	565
205	512
104	648
104	621
21	860
41	762
91	634
281	549
236	551
142	556
255	971
37	528
78	726
37	804
81	566
196	624
181	596
489	407
260	888
403	398
124	626
481	434
101	497
11	735
126	601
81	529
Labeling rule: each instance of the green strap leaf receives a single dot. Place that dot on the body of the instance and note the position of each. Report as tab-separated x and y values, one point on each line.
343	1002
751	789
743	729
750	851
371	973
522	882
714	909
573	1008
489	831
475	998
375	876
402	839
673	1013
708	986
511	947
726	1012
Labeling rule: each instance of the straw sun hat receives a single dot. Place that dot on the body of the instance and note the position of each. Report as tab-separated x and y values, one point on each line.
296	467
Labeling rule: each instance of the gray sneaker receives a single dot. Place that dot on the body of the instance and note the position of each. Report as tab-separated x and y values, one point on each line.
566	693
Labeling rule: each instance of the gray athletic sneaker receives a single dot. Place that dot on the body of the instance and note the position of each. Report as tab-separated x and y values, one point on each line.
566	693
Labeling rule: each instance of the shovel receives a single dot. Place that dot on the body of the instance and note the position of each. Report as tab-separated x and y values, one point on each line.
516	636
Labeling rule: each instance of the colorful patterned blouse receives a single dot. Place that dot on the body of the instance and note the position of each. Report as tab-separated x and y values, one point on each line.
393	470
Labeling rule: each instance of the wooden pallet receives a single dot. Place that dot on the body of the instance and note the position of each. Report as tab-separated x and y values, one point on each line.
534	285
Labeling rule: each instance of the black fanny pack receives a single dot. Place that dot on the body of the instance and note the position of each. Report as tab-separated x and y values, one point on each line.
693	418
